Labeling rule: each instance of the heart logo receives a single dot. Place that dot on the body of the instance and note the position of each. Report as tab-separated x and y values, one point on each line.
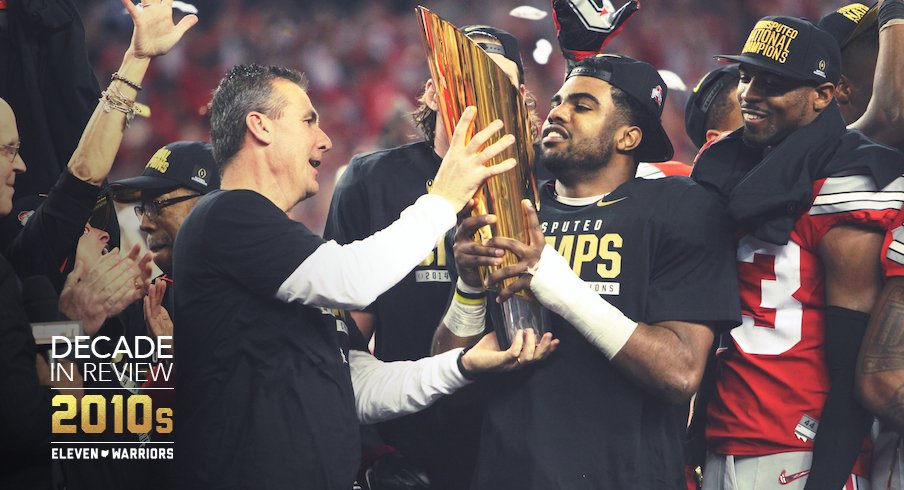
105	453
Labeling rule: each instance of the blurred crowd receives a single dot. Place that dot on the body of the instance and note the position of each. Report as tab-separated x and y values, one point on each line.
367	65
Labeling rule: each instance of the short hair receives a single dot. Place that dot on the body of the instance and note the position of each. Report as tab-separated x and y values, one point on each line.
723	103
244	89
631	112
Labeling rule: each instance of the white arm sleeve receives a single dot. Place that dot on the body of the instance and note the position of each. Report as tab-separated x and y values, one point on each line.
352	276
386	390
558	288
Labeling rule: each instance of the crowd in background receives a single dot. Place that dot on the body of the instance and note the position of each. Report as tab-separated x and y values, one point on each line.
366	63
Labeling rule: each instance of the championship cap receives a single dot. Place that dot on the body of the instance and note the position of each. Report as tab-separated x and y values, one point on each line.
791	47
181	164
848	22
642	83
702	99
509	47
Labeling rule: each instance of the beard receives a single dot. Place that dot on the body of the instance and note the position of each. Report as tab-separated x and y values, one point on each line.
576	161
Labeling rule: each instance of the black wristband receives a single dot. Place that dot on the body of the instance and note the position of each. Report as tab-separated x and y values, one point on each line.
116	76
471	296
890	10
470	376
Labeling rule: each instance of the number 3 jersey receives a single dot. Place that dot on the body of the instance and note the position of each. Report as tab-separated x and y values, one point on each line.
774	381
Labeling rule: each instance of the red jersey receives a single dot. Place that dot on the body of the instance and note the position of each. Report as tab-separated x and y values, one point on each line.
662	169
774	381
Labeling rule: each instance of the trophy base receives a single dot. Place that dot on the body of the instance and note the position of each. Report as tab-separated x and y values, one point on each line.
514	314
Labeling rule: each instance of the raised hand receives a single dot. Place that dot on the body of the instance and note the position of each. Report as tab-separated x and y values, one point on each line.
584	27
155	33
462	171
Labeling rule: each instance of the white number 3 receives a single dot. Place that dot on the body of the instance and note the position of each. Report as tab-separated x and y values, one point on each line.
775	294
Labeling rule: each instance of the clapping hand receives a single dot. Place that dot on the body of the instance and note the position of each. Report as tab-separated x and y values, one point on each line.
105	289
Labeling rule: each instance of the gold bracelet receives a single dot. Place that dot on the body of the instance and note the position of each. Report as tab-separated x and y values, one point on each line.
117	76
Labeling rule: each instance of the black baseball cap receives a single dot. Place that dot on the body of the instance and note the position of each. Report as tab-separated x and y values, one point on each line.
848	22
642	83
702	98
509	47
791	47
181	164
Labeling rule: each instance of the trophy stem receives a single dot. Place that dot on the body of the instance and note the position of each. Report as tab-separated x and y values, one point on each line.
516	313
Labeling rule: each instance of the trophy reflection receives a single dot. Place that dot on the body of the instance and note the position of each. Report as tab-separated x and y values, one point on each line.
465	75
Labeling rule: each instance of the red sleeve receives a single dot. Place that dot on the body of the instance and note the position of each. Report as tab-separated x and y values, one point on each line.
855	200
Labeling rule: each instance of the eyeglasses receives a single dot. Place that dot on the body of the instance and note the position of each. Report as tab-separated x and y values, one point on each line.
13	150
152	208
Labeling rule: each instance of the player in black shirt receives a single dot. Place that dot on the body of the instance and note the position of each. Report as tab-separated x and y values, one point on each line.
373	191
648	275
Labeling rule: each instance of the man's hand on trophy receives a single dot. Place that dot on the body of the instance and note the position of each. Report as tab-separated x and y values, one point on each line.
528	256
469	254
462	171
584	27
525	350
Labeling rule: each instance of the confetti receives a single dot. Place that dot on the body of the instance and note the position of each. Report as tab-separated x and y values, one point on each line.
528	12
542	51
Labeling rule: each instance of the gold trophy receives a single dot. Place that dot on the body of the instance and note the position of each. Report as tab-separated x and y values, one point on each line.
465	75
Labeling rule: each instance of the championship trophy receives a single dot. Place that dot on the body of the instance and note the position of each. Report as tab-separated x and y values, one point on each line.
465	75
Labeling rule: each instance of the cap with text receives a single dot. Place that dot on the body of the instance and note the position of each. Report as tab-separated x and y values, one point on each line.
188	164
848	22
791	47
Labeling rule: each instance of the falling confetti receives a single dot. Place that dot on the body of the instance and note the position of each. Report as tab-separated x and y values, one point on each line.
528	12
542	51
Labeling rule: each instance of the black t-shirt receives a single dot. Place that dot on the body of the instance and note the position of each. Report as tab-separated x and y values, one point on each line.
370	196
657	250
263	392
